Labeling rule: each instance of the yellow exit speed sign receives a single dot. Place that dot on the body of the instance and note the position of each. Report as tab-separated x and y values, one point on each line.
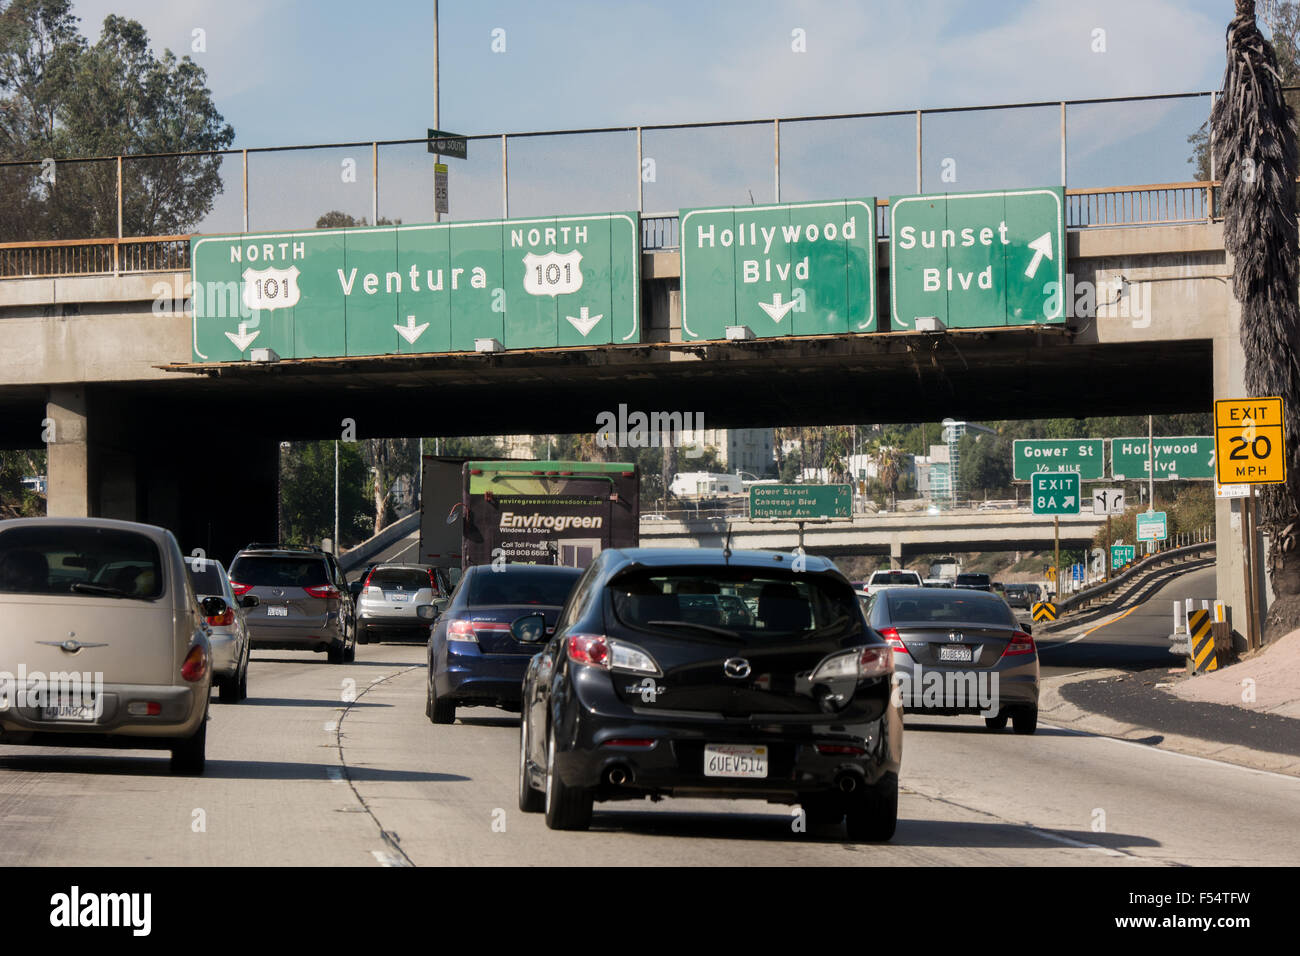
1249	444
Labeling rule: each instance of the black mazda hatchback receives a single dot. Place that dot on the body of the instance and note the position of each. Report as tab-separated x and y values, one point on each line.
655	684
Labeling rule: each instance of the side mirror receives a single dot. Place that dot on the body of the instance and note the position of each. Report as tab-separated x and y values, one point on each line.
1028	628
250	600
529	629
426	612
213	606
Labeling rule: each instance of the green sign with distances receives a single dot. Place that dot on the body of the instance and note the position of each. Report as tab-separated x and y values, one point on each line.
1174	459
1152	526
1084	456
390	290
801	501
1056	493
978	260
1121	554
791	269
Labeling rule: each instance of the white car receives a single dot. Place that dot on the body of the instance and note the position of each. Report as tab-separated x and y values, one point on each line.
891	579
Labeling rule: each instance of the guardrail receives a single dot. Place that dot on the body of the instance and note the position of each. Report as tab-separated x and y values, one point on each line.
1138	569
86	257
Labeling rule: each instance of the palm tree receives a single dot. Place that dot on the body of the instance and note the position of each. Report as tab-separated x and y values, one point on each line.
1254	135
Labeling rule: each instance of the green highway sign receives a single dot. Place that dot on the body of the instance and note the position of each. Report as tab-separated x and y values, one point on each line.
528	283
1175	458
1152	526
1084	456
791	269
801	501
448	144
1056	493
1121	554
977	260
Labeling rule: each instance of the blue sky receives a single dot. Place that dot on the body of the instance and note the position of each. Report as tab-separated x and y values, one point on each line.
292	71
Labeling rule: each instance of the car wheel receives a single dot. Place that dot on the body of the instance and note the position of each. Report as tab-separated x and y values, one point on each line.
1025	720
191	755
349	652
530	800
428	697
243	681
822	809
567	808
362	636
997	723
872	815
335	653
440	711
228	690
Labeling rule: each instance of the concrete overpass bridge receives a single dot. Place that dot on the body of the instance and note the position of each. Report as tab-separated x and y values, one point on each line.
901	536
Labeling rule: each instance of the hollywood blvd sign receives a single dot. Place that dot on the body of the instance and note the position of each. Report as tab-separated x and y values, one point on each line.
528	283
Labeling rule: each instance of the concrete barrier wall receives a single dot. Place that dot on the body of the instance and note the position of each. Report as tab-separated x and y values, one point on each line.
362	553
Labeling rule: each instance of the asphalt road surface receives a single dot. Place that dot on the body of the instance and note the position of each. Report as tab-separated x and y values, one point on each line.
299	775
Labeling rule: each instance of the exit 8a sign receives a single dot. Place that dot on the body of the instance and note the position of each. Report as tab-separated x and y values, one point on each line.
1249	441
1056	493
976	260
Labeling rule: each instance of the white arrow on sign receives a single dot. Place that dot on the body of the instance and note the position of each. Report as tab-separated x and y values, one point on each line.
1067	502
243	338
585	321
776	309
410	331
1042	246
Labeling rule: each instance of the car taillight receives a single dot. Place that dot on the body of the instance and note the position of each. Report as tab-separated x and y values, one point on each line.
240	589
196	664
874	660
892	638
590	649
1021	643
844	749
433	582
461	631
224	619
323	591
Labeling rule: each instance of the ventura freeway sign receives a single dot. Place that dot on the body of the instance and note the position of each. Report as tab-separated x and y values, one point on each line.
1056	493
1175	458
975	260
792	269
801	501
1084	456
528	283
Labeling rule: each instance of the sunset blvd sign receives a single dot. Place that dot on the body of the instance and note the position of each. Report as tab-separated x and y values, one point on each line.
528	283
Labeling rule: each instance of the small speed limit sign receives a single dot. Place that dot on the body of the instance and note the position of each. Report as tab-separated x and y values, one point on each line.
1249	444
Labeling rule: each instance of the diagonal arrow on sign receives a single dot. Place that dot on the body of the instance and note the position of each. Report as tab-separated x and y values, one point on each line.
1042	246
775	309
585	321
243	338
1068	501
410	331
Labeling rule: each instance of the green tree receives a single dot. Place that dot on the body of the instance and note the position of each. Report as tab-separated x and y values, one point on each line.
337	219
307	493
17	500
61	99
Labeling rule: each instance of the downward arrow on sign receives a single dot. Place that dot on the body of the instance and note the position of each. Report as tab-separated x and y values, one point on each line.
775	309
410	331
243	338
585	321
1042	246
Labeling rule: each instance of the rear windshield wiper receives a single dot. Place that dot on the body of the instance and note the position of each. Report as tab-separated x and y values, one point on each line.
722	631
85	587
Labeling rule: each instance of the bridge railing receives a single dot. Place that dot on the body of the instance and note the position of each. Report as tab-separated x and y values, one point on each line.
88	257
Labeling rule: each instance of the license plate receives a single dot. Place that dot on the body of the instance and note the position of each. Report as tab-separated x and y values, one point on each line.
399	597
277	612
78	711
954	652
731	760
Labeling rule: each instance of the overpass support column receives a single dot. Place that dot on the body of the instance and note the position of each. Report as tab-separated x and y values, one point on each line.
68	492
895	553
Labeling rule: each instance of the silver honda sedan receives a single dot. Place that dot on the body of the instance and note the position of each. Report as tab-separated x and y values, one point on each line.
102	642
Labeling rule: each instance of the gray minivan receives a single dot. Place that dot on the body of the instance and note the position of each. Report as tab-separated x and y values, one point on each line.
305	604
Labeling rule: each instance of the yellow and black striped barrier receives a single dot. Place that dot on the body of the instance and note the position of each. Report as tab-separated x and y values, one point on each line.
1044	611
1200	638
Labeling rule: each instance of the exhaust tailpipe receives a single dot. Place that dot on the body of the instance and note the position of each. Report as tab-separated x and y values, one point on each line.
617	776
847	782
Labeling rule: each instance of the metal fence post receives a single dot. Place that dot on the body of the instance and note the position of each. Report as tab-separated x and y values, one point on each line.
505	180
776	150
1209	145
117	246
640	176
245	190
1063	165
918	151
374	183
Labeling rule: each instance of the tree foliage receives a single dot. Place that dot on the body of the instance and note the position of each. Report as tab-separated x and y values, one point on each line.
63	99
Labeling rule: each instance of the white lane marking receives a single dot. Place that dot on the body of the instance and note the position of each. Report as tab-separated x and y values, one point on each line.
1176	753
1075	843
331	727
387	859
335	774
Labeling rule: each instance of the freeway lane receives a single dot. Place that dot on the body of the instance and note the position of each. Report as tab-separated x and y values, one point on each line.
289	784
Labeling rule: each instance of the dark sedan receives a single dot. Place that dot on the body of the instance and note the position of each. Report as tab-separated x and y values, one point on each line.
960	651
646	691
474	657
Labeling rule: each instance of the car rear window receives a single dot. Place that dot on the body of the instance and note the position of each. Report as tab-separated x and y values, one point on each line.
269	571
204	577
774	604
518	584
942	607
407	579
895	577
978	579
84	561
